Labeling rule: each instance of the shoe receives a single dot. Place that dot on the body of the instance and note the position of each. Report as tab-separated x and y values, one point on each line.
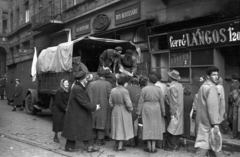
71	149
121	149
55	139
154	151
147	150
91	149
234	137
169	149
14	109
21	109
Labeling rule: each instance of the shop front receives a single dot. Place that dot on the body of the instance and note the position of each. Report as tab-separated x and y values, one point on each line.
192	51
124	23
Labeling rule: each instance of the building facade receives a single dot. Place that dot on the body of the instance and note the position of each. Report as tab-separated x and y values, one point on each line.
186	35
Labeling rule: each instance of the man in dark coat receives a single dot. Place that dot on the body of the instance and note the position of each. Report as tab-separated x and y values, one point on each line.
99	92
110	59
233	109
78	118
2	87
134	93
17	96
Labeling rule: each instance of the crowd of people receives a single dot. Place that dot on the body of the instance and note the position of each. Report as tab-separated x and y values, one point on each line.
127	108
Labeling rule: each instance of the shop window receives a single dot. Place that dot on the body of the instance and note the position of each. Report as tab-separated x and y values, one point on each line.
202	57
140	35
232	60
197	73
126	34
161	60
180	59
184	74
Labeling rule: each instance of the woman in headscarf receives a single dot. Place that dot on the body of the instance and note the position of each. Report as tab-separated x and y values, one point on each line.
122	127
151	108
59	108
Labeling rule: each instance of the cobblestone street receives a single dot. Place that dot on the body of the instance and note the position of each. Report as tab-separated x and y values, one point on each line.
27	135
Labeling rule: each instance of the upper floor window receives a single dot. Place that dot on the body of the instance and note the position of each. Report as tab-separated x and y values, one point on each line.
27	13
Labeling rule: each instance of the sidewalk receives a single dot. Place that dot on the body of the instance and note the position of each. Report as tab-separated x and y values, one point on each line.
12	148
36	131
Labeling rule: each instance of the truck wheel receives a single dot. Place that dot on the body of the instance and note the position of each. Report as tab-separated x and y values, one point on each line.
29	105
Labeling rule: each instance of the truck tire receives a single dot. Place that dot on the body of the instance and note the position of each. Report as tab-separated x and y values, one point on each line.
29	105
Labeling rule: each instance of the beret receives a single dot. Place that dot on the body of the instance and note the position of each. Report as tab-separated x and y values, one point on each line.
152	78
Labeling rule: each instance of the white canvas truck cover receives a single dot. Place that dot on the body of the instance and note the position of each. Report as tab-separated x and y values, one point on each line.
59	58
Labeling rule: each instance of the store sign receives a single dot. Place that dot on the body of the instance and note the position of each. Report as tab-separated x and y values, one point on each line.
101	22
215	35
130	13
83	28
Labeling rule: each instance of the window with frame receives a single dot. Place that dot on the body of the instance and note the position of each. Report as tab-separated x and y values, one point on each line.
27	13
191	64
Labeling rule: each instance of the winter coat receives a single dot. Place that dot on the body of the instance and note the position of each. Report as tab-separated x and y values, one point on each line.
151	108
109	59
130	67
2	85
207	113
98	92
188	101
134	93
17	95
175	98
122	126
78	118
59	109
221	95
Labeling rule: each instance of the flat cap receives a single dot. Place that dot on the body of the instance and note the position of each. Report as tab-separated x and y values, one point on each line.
80	75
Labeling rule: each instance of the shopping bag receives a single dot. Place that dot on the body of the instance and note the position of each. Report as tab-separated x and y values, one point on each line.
215	140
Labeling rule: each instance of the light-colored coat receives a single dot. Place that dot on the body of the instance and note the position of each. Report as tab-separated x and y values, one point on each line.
122	126
175	98
207	113
151	108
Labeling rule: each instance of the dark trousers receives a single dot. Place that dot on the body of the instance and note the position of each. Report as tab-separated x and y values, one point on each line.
99	134
203	152
235	121
172	141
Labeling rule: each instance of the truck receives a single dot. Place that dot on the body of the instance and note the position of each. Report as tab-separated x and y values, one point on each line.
56	63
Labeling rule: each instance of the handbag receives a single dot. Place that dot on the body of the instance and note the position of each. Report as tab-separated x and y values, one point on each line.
224	128
215	140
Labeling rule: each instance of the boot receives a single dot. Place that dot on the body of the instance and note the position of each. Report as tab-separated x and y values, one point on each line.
55	139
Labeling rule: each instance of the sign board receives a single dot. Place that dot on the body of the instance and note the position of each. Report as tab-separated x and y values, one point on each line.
127	14
222	34
83	28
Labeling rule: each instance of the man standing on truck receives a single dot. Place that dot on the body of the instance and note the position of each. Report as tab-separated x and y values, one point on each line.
78	118
99	92
110	59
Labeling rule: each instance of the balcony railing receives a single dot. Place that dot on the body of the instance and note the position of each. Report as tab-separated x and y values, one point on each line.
50	14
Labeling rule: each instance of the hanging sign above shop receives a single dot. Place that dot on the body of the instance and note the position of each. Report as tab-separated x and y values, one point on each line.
130	13
101	22
83	28
223	34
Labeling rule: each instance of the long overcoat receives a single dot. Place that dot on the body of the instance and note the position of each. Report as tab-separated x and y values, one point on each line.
78	118
175	97
207	113
98	92
134	93
59	109
151	108
17	95
122	126
188	102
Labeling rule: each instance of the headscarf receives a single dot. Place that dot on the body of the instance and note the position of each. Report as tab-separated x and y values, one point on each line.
62	85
